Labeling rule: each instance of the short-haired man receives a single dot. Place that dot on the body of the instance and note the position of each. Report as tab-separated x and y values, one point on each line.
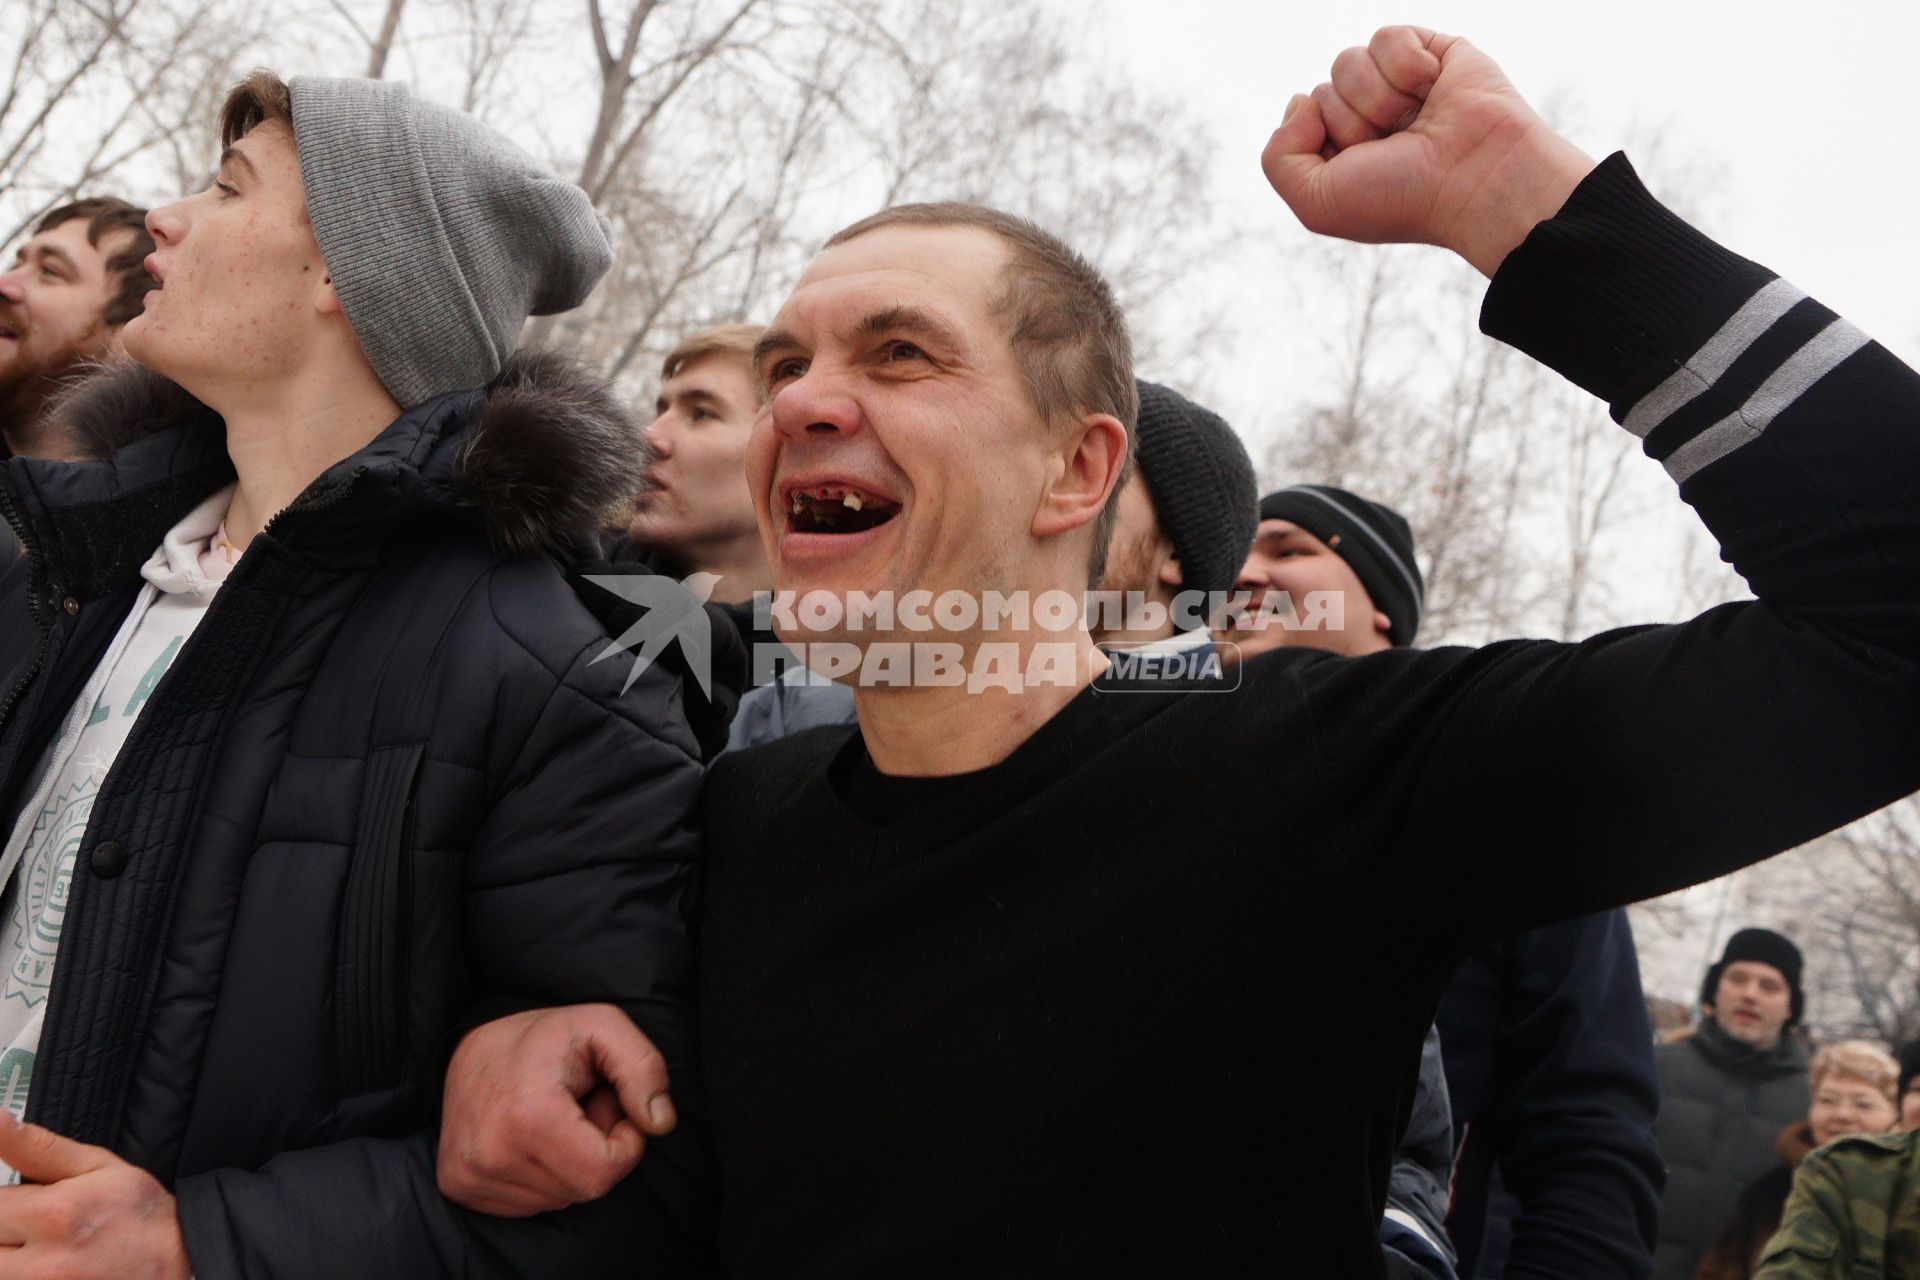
1727	1091
72	286
1183	518
305	755
695	513
1010	979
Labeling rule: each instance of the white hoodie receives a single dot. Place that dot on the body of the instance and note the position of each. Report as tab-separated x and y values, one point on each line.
38	861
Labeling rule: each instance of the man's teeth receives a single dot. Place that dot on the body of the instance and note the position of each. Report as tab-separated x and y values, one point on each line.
852	498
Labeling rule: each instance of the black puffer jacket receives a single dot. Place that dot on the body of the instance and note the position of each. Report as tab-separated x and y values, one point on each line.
382	789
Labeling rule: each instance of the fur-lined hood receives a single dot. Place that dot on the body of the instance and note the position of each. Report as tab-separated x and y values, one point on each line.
541	455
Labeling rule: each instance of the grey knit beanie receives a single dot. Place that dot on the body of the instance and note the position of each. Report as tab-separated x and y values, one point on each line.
440	235
1202	485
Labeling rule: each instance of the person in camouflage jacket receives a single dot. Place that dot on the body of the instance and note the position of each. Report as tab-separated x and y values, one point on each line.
1854	1213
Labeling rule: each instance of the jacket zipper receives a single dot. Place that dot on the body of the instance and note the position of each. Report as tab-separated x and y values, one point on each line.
318	502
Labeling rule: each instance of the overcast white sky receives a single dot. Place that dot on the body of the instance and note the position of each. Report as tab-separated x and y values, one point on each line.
1806	110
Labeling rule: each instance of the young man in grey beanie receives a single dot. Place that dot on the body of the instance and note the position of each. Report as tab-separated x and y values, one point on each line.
306	759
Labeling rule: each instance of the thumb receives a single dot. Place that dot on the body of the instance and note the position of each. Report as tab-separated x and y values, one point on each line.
1292	158
43	1156
625	1058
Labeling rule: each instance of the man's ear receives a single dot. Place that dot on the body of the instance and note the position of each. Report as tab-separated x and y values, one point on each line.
1083	477
1382	623
1170	571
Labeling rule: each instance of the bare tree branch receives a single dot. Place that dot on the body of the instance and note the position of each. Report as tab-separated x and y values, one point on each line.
382	45
109	33
353	24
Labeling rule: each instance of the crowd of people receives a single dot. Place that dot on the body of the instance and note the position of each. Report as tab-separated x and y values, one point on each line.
915	807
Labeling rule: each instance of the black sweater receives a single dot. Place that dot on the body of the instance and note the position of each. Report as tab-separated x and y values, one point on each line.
1148	996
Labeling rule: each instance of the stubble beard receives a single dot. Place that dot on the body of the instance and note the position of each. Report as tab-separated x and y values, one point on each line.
28	390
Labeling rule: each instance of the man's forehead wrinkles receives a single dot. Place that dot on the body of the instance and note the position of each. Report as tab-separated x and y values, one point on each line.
917	275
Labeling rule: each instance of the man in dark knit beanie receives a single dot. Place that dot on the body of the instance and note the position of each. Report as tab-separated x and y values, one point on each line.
1543	1066
1346	566
1184	523
1727	1091
1745	1013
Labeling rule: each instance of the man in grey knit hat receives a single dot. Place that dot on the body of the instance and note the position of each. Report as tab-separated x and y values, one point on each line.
308	761
431	214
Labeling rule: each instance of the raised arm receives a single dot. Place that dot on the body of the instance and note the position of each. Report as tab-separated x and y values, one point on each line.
1527	782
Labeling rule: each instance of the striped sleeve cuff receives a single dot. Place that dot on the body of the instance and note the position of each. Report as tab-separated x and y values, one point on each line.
1696	349
1728	392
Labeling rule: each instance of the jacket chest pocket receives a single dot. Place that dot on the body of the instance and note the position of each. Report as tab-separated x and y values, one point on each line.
371	981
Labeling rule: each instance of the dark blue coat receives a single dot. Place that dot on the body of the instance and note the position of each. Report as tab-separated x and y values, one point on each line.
382	790
1550	1066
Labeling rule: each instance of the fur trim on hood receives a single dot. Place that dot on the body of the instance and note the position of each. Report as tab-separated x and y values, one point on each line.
552	453
117	403
545	454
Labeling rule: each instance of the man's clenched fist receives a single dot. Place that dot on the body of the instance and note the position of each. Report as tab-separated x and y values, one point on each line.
549	1108
1419	138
